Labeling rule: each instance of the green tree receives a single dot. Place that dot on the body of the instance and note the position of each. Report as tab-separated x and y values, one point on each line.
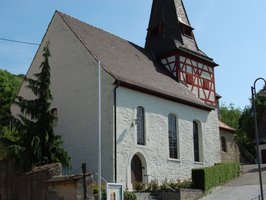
246	121
9	85
33	141
230	115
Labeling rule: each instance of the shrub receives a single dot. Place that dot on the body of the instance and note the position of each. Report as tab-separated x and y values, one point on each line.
206	178
129	196
167	186
94	187
140	187
183	183
170	185
153	186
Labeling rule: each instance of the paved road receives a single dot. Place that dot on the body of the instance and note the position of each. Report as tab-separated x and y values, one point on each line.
245	187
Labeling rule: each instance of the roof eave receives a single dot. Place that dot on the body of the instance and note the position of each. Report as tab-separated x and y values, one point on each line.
229	130
164	96
206	58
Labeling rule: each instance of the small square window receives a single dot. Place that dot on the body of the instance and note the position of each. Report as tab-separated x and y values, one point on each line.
187	31
155	30
189	78
206	84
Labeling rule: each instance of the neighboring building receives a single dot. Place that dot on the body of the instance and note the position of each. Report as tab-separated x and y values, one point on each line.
262	138
262	150
229	149
159	116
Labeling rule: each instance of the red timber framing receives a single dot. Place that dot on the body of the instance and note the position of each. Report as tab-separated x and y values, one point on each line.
197	73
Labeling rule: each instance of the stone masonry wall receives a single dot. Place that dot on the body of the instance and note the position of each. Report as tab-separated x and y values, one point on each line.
232	151
15	185
42	183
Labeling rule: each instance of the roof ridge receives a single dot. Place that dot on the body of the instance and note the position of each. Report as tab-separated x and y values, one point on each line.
62	15
94	55
95	27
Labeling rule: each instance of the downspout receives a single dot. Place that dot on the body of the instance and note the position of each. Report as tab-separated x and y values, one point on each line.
115	127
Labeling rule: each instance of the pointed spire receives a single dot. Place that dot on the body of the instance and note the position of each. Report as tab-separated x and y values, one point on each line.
169	29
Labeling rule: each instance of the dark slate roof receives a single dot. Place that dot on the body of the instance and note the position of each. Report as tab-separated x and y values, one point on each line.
181	12
130	64
172	15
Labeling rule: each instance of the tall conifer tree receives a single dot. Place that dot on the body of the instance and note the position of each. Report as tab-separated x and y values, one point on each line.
34	142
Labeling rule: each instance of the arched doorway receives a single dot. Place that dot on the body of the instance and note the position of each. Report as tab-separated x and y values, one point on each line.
136	171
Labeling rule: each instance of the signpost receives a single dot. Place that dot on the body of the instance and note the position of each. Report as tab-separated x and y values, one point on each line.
114	191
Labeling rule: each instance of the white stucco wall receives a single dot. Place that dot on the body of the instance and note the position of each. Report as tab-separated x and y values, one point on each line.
155	152
74	89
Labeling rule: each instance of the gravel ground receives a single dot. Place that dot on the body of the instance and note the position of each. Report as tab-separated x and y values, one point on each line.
246	187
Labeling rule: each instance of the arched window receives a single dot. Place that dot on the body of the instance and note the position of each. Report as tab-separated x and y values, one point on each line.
140	126
172	136
196	142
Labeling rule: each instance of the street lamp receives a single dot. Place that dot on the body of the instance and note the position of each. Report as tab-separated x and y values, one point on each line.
253	92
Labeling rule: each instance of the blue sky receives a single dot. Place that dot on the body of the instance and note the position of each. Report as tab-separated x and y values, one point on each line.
231	32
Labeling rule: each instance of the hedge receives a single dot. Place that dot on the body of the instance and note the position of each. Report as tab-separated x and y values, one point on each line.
206	178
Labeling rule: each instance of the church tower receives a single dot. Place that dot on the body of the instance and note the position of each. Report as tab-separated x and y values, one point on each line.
171	40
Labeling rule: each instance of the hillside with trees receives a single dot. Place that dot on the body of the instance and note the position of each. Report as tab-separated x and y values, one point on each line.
9	85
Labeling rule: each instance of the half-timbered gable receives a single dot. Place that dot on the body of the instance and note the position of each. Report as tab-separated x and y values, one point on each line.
170	38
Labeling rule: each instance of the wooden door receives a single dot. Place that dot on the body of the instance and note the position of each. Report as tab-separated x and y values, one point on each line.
136	171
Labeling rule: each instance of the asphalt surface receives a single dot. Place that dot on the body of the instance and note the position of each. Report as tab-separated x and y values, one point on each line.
245	187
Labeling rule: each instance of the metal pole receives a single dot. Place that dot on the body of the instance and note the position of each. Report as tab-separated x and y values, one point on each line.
253	92
99	134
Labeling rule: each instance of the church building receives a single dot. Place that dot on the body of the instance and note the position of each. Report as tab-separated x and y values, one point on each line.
159	103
